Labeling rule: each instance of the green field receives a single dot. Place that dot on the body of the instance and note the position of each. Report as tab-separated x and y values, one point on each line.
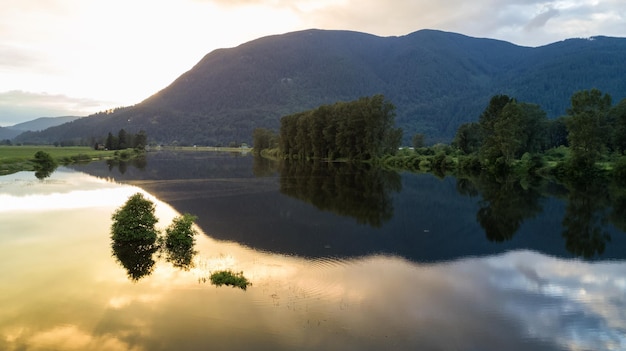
18	158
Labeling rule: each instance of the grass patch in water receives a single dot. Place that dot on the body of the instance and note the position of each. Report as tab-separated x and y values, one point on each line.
230	278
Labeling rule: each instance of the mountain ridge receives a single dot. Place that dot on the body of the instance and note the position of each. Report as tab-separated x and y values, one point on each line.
437	80
36	124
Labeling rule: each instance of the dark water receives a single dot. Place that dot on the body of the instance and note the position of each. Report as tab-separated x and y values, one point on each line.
340	258
343	211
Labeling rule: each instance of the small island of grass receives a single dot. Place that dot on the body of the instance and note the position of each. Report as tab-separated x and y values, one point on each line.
227	277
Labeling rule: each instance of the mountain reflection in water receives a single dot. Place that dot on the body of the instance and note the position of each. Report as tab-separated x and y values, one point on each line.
63	290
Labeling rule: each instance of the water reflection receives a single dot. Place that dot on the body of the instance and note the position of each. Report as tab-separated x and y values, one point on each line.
309	209
618	205
42	172
139	162
180	257
505	203
135	257
57	296
586	215
354	190
508	201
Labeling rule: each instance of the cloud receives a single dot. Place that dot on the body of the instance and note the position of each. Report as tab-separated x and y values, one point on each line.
511	20
541	19
15	57
19	106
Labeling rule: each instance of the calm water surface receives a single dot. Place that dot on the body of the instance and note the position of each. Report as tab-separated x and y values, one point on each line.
406	262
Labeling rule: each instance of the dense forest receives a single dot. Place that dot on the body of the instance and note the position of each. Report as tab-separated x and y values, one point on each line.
437	81
362	129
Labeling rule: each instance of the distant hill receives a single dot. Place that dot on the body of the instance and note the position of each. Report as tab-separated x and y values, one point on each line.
436	80
43	123
34	125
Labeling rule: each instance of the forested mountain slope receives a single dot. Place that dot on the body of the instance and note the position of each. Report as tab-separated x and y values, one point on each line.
436	80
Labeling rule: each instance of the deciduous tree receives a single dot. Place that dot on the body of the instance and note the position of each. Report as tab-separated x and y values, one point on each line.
468	138
586	125
135	220
619	131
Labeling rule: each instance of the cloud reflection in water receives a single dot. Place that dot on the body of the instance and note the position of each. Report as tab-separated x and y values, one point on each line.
63	290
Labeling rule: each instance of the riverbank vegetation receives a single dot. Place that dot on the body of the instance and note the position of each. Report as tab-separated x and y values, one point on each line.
509	137
21	158
124	146
516	137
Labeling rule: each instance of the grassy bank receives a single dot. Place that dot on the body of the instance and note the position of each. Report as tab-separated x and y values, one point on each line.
19	158
242	150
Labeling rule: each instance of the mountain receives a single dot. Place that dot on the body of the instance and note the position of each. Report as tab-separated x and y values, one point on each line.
437	80
43	123
8	134
34	125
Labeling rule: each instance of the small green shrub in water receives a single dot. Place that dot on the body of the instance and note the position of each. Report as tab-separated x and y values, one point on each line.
179	242
180	234
230	278
135	220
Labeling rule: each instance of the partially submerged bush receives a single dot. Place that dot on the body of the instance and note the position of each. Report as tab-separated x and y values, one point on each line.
180	234
230	278
179	241
135	220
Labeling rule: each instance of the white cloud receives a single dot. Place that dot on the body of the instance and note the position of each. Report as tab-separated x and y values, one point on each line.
17	106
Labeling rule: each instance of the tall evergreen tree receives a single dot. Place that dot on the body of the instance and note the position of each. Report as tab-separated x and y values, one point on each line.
361	129
122	139
111	143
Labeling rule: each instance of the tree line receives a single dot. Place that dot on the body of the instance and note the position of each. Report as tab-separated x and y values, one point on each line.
508	129
124	140
358	130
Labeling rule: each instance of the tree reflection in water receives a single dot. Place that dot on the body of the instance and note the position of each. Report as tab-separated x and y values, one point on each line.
586	215
135	256
44	172
180	257
506	204
139	162
360	191
507	201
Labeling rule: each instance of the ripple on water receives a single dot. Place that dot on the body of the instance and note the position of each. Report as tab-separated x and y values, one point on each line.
315	285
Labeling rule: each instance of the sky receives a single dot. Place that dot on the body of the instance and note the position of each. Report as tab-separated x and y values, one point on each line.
78	57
